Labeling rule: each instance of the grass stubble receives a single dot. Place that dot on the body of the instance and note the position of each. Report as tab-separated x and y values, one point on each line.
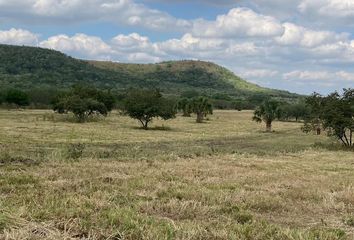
224	179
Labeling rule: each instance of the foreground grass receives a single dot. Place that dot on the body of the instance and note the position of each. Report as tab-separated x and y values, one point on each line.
224	179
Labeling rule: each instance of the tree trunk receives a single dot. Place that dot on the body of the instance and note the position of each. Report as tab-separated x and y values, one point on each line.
318	131
145	125
318	127
269	126
200	117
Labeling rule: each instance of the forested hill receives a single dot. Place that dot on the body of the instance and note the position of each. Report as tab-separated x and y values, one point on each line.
37	68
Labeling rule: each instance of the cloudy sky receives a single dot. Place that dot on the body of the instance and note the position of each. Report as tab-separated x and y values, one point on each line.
297	45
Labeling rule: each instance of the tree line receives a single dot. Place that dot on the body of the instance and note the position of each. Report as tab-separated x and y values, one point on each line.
141	104
333	113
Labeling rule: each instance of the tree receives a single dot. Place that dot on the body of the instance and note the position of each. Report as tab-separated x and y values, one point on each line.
184	105
83	102
338	116
295	111
202	107
17	97
145	105
268	111
313	121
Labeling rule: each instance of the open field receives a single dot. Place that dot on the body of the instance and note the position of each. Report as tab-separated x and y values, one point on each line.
224	179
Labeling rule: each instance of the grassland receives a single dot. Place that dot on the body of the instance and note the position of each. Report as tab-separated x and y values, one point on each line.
225	179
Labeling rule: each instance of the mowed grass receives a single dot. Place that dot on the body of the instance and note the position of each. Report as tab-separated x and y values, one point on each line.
224	179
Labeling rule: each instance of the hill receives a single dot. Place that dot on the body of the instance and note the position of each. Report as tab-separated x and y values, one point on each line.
36	68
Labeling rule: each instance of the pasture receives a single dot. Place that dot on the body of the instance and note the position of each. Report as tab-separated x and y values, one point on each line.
223	179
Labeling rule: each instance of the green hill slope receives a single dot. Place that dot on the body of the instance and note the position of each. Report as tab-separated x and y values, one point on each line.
30	67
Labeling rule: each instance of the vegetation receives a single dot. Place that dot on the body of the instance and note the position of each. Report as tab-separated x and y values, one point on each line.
297	111
221	180
201	106
334	113
184	105
42	73
84	102
314	119
268	112
16	97
144	105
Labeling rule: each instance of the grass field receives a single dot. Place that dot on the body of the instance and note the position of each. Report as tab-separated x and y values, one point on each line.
224	179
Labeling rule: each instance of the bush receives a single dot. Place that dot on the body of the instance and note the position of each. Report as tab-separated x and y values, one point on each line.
83	102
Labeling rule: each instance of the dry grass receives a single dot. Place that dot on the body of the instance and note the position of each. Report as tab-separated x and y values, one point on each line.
225	179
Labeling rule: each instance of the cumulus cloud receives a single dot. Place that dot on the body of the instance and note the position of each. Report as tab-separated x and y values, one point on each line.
329	8
80	45
239	22
297	35
18	37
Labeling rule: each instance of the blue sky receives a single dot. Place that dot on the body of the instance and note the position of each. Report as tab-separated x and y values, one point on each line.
297	45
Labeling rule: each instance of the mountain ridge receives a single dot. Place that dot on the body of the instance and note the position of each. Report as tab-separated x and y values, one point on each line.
33	67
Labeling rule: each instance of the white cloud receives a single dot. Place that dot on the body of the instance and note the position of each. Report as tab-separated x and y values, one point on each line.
259	73
320	78
18	37
297	35
237	23
329	8
80	45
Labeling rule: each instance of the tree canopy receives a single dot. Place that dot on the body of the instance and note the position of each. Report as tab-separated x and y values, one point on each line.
268	111
145	105
201	106
335	113
83	102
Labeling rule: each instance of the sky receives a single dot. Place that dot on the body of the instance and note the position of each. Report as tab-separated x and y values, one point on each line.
297	45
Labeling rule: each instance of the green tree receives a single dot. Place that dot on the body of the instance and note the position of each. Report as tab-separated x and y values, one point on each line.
338	116
313	121
297	111
184	105
201	106
267	112
17	97
83	102
145	105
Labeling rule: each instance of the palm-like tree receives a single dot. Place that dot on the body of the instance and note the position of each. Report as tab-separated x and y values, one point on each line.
202	107
267	112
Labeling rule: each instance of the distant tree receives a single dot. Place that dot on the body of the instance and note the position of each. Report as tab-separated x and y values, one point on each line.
17	97
184	105
201	106
336	113
83	102
267	112
145	105
295	111
314	121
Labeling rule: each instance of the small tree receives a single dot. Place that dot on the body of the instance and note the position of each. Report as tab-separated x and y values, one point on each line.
17	97
313	121
268	111
184	105
201	106
338	116
83	102
145	105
